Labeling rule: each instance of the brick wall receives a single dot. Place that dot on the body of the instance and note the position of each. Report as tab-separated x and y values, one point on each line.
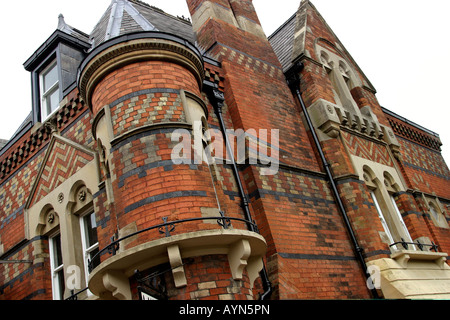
420	162
294	209
209	279
309	252
32	280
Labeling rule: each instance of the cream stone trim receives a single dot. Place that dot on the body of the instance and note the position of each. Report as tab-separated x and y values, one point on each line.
117	285
244	249
132	51
324	116
433	203
413	275
335	63
379	172
59	198
176	262
344	78
57	208
194	107
251	27
210	10
102	131
102	128
237	256
382	179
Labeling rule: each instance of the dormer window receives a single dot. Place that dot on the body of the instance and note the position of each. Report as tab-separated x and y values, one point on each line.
54	68
49	90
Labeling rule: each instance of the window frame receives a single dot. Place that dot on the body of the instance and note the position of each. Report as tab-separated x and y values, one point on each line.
86	251
43	94
382	192
402	222
57	289
342	79
384	223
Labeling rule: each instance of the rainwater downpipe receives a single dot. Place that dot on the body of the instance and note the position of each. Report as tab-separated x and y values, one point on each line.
293	80
218	98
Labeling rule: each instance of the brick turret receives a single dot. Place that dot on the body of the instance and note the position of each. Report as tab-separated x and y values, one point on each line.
143	90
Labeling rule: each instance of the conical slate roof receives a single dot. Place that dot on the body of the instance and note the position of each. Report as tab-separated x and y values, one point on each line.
128	16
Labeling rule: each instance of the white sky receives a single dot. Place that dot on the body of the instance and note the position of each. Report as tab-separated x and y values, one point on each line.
401	45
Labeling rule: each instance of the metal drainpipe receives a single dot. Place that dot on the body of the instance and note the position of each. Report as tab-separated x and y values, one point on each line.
293	79
218	98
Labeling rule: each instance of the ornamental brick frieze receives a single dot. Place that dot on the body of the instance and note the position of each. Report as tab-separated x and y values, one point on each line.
415	135
38	137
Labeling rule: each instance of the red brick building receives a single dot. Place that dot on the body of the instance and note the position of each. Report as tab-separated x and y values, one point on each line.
121	183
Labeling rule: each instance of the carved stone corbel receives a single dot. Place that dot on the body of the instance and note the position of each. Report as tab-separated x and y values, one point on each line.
176	263
254	266
117	284
391	140
237	257
51	126
403	259
325	118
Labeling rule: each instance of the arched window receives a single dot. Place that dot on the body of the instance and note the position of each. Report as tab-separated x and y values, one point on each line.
49	226
382	191
341	79
436	214
83	230
56	266
89	241
49	90
381	217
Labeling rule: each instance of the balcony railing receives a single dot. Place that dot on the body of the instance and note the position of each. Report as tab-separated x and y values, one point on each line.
74	296
165	228
420	246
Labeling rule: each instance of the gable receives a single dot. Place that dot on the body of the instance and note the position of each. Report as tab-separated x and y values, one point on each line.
303	34
62	160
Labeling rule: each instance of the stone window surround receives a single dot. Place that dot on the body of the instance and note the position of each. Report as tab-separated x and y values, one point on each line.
384	181
67	224
61	210
330	117
438	218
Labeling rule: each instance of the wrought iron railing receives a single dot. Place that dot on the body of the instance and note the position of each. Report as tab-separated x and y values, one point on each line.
74	296
418	244
165	228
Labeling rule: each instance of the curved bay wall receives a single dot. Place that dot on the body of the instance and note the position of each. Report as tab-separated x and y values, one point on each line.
141	88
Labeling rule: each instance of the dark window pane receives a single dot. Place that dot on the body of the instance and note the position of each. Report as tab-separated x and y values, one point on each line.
91	230
94	261
53	101
50	78
61	284
57	254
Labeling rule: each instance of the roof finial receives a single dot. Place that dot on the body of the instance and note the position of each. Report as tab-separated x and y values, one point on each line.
62	25
61	22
